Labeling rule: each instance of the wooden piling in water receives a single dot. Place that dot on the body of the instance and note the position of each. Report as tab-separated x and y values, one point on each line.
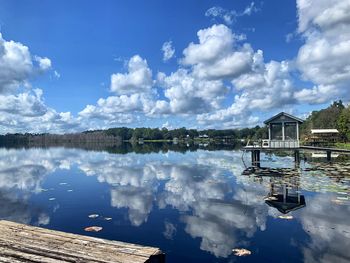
256	158
296	156
22	243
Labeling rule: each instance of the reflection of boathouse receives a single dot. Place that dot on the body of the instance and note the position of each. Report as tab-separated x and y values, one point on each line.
283	184
284	198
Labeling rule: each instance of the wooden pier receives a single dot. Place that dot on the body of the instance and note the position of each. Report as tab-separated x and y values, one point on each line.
255	152
283	130
22	243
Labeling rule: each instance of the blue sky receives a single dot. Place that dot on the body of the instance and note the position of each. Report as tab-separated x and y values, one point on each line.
273	44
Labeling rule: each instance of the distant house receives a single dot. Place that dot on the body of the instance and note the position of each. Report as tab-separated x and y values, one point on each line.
204	136
323	136
324	131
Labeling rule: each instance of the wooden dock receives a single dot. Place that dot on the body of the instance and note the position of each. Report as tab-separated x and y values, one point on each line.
22	243
325	149
255	152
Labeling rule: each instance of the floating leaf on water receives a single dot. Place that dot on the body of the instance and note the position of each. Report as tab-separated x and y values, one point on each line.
52	199
108	218
288	217
239	252
93	216
93	229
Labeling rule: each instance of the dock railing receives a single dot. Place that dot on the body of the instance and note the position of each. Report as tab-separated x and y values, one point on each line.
275	144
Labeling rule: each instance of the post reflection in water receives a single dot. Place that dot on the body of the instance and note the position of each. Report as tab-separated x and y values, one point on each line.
195	205
284	187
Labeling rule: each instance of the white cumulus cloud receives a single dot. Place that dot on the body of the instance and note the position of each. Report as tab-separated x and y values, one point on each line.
168	50
137	80
323	59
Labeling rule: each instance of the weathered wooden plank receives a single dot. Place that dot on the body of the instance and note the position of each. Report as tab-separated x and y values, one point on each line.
21	243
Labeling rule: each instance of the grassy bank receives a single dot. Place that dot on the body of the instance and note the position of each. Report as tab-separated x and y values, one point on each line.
343	145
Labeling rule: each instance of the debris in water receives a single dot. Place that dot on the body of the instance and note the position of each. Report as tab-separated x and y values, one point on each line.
288	217
108	218
338	202
93	229
70	190
52	199
241	252
94	216
270	198
63	183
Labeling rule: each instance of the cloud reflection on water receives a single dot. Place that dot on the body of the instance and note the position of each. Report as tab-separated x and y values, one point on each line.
216	203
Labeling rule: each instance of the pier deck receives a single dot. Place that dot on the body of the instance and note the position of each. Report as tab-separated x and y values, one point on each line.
22	243
255	151
317	148
302	147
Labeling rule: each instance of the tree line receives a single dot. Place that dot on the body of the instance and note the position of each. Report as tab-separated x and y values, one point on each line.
336	116
86	140
134	134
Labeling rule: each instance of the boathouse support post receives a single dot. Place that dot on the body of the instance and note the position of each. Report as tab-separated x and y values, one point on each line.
297	156
256	158
297	132
329	156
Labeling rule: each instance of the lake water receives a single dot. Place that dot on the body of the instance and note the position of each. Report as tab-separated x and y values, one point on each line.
194	205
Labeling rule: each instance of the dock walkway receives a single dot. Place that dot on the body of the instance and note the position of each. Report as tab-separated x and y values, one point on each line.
317	148
22	243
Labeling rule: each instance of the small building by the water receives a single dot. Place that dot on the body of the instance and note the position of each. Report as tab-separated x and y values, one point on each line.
283	131
323	136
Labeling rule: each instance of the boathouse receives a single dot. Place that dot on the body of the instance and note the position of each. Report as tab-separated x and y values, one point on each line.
323	136
283	131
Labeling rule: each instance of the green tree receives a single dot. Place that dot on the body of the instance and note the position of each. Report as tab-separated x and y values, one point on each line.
344	123
323	119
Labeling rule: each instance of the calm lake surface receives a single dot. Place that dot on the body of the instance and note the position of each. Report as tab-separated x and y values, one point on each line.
195	205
